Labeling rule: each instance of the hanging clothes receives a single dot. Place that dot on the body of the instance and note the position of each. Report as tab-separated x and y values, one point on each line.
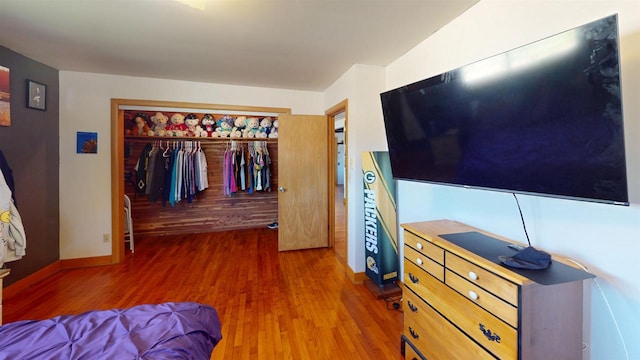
258	163
250	172
179	173
141	169
150	167
237	162
156	181
172	175
259	167
232	175
238	168
168	157
196	169
226	172
231	169
203	173
267	170
243	165
13	239
8	177
190	188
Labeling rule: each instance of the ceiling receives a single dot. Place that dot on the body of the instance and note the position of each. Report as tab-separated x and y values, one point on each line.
289	44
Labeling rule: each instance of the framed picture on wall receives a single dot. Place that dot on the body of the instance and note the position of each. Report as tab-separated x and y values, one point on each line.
5	97
36	95
87	142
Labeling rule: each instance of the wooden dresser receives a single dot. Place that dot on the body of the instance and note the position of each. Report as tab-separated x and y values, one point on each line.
461	302
3	274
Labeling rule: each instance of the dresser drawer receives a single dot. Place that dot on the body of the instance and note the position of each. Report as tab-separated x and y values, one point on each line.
424	262
414	277
496	306
410	354
442	340
435	252
487	280
486	329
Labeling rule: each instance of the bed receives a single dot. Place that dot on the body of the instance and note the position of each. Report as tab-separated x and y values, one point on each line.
174	330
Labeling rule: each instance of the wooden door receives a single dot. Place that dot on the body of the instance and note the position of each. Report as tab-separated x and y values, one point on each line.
303	182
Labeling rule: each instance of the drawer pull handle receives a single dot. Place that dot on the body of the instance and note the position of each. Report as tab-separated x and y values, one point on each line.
419	261
487	333
473	276
412	306
413	333
473	295
419	246
413	278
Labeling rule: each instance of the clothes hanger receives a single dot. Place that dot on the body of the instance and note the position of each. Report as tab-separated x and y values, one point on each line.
166	150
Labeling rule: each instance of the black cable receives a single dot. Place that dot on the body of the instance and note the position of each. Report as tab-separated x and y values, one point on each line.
524	226
393	303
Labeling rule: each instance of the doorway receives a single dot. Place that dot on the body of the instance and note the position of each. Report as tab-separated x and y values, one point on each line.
118	108
338	120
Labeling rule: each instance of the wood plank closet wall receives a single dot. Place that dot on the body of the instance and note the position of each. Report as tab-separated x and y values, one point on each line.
211	210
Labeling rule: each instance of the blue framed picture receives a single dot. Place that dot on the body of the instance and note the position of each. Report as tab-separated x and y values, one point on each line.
87	142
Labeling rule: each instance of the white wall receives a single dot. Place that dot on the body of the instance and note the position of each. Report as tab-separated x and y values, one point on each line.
361	85
85	105
604	238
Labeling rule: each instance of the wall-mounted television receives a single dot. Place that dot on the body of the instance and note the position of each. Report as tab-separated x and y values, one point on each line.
544	119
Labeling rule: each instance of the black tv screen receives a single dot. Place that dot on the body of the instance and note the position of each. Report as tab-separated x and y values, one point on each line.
544	118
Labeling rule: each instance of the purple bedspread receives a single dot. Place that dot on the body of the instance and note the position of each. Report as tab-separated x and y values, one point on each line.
164	331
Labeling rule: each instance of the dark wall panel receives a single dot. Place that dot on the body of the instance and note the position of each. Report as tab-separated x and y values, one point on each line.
31	146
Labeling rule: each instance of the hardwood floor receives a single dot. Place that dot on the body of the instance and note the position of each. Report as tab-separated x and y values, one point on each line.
340	246
291	305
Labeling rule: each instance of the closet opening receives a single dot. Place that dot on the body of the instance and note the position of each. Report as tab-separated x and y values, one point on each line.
198	214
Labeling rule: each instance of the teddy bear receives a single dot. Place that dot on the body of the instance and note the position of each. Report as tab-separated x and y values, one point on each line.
208	126
239	125
265	128
177	126
225	125
141	127
252	129
274	130
159	121
193	125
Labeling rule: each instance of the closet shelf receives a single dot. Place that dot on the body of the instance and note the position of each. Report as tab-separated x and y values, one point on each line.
193	138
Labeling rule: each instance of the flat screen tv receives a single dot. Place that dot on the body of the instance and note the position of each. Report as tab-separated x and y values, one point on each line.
544	118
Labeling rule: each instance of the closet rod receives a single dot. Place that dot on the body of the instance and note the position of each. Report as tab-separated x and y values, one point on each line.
193	138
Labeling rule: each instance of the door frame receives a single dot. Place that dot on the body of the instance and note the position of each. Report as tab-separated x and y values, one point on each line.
342	106
117	153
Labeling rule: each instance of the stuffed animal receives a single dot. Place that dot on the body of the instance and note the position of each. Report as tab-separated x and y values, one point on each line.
238	126
265	128
274	130
208	126
141	127
159	121
193	125
225	125
177	126
252	129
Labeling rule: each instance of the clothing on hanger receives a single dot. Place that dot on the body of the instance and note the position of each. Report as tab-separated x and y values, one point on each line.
13	239
172	172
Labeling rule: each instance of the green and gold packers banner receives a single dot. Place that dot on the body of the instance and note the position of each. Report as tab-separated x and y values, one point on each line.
380	221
